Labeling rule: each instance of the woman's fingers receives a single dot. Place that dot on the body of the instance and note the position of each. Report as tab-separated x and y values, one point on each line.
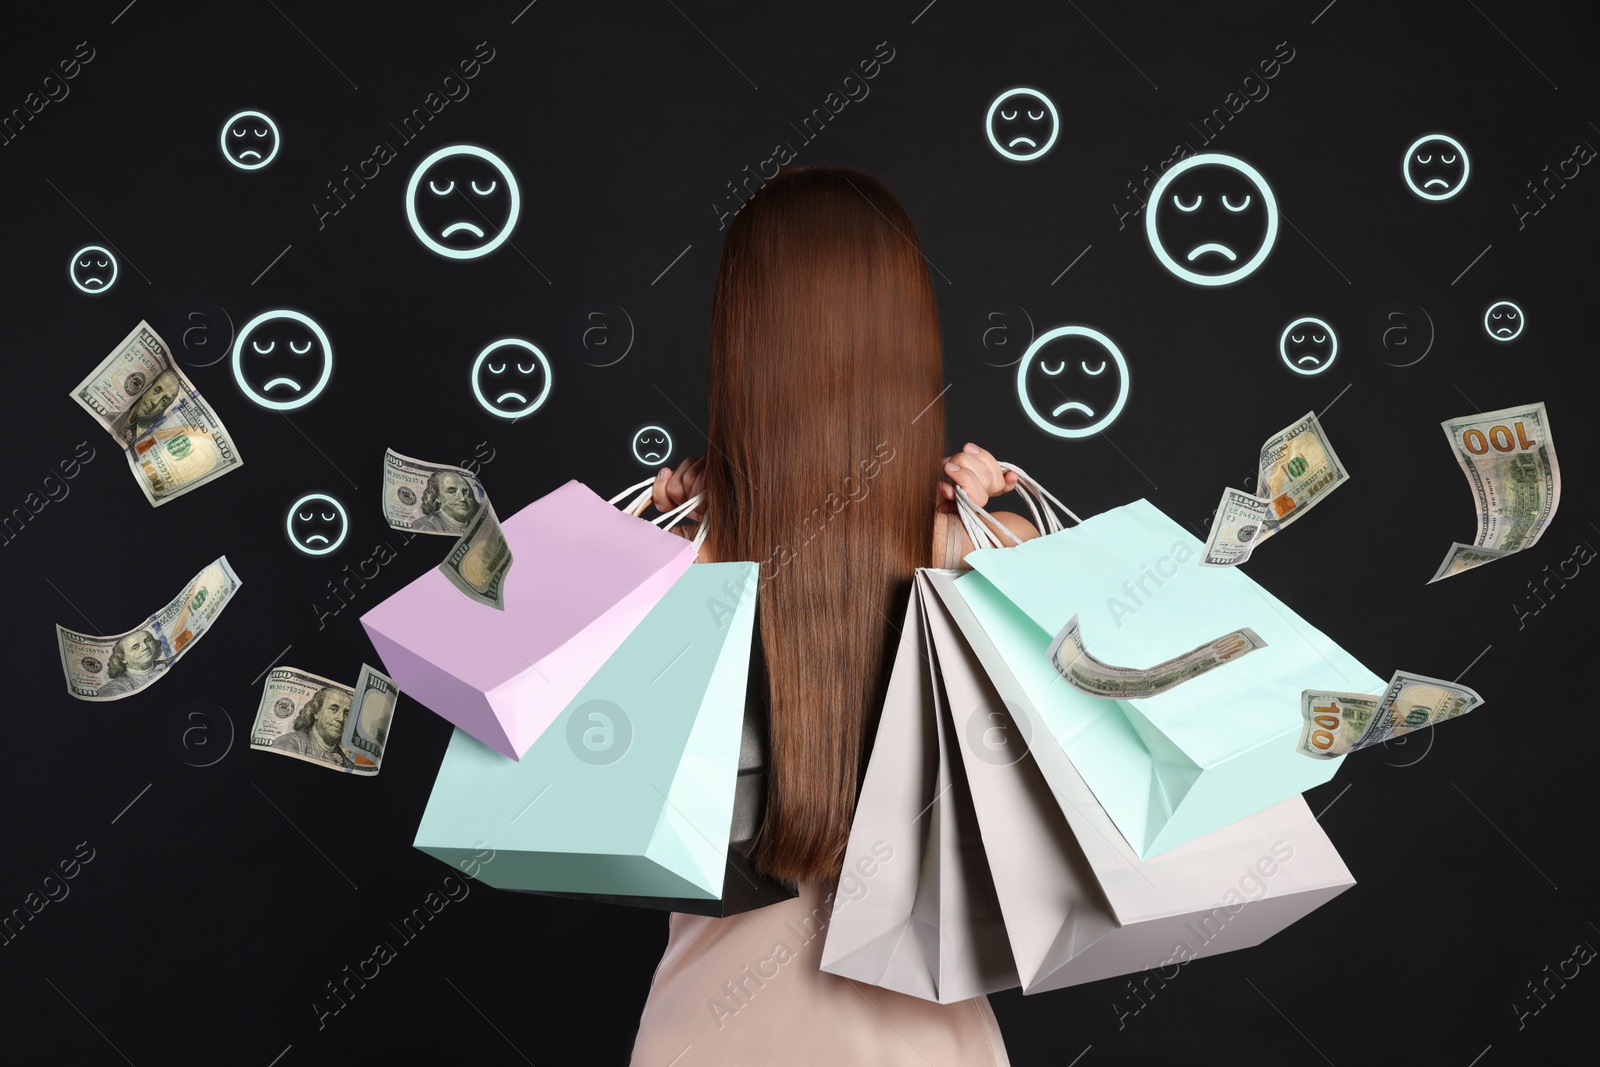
994	476
658	492
975	470
684	483
986	471
963	474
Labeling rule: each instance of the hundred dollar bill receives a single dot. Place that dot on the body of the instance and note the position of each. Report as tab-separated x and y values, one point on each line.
185	448
1510	462
434	498
1297	470
110	668
133	385
478	563
304	715
1336	723
1089	675
438	498
366	732
174	440
1234	529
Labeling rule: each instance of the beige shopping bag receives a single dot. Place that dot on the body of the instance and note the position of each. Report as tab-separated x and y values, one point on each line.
927	922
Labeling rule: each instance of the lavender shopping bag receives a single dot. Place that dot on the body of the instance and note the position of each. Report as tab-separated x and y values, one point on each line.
587	572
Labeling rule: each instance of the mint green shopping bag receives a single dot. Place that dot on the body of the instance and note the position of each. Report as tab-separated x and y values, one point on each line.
630	791
1174	766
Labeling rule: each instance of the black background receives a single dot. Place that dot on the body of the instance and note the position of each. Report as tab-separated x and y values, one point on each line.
219	904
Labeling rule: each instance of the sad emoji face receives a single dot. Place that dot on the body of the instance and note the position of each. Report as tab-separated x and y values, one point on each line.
511	378
463	202
1212	219
249	140
1022	124
1435	167
317	524
282	360
1073	381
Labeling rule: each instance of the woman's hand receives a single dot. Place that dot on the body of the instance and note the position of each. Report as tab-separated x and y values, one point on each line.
976	471
673	487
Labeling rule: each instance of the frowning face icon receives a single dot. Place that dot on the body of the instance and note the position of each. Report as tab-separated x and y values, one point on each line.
317	524
1308	346
463	202
1212	219
1435	167
1073	381
249	140
282	360
511	378
1022	124
92	269
1503	321
652	445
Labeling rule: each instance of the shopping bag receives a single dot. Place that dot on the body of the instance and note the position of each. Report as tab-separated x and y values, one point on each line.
743	887
585	574
630	793
1174	766
927	923
1078	904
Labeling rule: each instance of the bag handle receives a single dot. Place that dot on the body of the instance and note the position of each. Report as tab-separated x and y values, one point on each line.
643	493
1052	523
1036	496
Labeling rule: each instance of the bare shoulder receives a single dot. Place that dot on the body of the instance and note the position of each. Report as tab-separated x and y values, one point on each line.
946	525
1017	524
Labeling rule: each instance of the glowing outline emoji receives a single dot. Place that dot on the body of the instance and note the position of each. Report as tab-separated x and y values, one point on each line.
299	401
344	524
537	401
1073	331
72	270
1055	123
1522	321
667	452
1405	166
1233	163
277	140
511	187
1283	353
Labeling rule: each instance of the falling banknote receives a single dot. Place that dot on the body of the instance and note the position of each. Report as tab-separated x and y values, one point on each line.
438	498
1089	675
1297	470
1235	529
173	439
1336	723
110	668
324	722
1510	462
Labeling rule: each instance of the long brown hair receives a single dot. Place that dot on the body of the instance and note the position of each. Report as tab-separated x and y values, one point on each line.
826	429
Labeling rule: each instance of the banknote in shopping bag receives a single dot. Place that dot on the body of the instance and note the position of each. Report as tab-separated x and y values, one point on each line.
587	573
1194	756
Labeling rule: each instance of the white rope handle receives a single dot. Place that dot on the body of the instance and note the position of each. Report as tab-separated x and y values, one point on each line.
638	503
1036	496
1052	523
980	533
667	519
671	518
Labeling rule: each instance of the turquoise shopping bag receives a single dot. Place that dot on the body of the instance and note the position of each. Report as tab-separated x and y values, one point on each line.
1174	766
630	791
